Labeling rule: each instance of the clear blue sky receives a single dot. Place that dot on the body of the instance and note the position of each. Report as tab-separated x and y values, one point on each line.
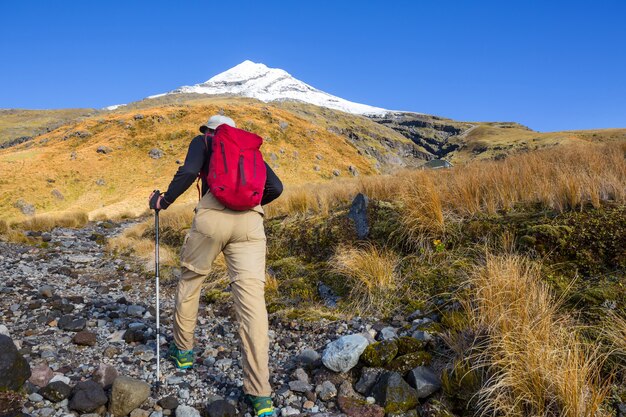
552	65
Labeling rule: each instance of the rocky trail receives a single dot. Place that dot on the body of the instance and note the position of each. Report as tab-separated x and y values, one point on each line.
84	322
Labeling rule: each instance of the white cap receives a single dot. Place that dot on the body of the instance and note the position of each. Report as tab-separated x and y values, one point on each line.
215	121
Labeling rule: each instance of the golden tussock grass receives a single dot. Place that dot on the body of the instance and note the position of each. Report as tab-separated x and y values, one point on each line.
4	227
615	332
47	222
561	178
535	361
373	276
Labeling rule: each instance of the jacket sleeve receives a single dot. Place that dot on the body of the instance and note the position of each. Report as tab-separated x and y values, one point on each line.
186	174
273	186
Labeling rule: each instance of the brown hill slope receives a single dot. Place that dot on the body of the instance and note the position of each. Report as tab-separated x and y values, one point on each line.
65	170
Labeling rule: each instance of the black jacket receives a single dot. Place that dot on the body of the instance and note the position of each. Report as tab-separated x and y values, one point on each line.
196	161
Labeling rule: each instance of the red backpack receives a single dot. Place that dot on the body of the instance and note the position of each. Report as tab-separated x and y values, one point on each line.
237	172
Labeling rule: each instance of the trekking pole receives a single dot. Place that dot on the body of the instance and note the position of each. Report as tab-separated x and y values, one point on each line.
158	315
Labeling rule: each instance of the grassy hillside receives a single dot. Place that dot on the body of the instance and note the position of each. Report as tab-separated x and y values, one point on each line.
63	170
18	123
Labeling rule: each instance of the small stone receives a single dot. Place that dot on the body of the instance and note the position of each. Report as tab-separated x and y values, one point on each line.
104	149
300	386
380	353
46	291
388	333
221	408
183	394
422	336
289	411
41	375
155	153
85	338
186	411
308	357
168	403
71	323
301	375
35	398
135	310
326	391
138	412
308	405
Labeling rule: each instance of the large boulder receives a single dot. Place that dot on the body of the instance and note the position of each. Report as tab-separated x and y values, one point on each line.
358	214
56	391
380	353
394	393
424	380
408	344
13	367
87	397
403	364
127	394
343	354
369	377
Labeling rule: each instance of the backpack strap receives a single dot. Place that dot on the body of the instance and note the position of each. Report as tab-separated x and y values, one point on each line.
202	173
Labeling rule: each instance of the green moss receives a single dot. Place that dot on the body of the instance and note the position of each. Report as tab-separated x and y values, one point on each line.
460	384
215	296
408	345
380	354
403	364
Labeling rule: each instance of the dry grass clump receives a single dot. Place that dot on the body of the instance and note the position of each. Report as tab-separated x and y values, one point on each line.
47	222
615	333
374	280
4	227
536	362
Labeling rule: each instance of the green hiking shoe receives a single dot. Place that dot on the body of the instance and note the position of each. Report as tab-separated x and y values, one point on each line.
183	359
263	406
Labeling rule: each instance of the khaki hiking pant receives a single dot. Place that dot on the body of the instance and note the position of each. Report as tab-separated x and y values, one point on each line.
241	237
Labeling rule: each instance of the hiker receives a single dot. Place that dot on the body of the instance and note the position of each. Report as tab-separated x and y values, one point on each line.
240	235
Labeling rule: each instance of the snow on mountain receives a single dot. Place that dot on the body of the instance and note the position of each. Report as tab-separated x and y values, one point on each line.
258	81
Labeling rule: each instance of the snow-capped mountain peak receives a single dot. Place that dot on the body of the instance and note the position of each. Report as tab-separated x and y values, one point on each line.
250	79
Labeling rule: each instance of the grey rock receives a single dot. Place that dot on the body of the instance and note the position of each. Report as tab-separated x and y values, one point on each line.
168	403
289	411
394	393
368	379
326	391
327	295
358	214
155	153
104	149
300	386
34	397
127	394
138	412
46	291
424	380
13	367
71	323
353	170
301	375
308	357
138	116
221	408
422	336
223	364
100	182
135	310
4	330
343	354
388	333
186	411
24	207
87	397
336	172
46	412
